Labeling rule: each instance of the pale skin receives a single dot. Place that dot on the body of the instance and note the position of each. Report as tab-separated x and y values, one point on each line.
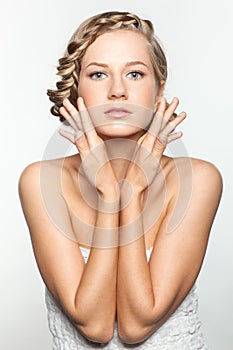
119	279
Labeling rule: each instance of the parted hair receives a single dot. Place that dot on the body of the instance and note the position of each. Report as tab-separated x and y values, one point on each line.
69	65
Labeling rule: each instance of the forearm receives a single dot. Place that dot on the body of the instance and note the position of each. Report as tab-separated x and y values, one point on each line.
95	299
135	298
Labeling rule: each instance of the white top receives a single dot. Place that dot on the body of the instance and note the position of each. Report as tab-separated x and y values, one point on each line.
181	331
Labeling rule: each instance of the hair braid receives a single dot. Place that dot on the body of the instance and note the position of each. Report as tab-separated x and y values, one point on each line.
70	64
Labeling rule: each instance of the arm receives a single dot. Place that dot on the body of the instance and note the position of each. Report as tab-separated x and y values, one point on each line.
86	293
147	294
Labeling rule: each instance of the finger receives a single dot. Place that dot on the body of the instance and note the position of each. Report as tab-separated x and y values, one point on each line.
82	145
68	135
175	136
157	121
170	111
78	139
155	126
68	118
69	107
87	124
174	115
170	127
73	137
73	113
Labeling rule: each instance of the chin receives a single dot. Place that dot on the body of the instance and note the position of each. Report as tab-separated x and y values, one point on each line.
118	131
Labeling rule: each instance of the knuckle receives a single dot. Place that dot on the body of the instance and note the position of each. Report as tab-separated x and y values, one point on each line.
162	139
159	146
81	142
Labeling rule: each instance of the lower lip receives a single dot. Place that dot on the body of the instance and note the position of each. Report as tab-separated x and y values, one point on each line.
118	114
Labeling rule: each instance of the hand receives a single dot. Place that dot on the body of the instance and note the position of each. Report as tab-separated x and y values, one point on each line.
150	147
95	163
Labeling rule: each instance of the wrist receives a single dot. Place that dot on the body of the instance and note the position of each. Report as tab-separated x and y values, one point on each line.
129	193
109	201
109	194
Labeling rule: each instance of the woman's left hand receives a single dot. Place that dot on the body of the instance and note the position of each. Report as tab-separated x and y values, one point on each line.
150	147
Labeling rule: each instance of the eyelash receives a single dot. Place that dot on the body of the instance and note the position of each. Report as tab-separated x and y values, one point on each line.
94	75
138	73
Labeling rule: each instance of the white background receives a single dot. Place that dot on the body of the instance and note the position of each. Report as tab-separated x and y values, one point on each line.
197	37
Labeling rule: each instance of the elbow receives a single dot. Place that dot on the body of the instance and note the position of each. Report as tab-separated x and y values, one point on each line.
133	334
97	333
135	330
131	338
93	328
138	330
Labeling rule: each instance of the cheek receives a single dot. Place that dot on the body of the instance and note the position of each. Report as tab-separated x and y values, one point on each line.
85	93
82	88
151	93
91	96
150	99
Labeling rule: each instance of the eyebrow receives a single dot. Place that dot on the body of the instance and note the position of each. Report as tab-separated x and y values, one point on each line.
131	63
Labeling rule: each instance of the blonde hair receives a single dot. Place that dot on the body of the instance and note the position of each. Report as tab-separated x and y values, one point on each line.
70	64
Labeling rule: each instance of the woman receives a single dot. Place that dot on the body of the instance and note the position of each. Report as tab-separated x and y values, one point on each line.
119	230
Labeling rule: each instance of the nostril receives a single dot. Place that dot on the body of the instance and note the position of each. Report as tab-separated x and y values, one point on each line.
120	94
118	90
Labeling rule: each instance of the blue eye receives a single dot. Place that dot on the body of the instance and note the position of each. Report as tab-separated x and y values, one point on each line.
97	75
136	75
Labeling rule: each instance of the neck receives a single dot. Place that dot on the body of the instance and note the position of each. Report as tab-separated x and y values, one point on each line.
120	152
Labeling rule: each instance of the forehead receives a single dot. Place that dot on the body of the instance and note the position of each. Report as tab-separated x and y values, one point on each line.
118	45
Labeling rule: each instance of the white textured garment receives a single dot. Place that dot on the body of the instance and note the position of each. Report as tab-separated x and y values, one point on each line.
181	331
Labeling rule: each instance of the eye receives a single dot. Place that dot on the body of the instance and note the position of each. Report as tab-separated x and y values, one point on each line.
136	75
97	75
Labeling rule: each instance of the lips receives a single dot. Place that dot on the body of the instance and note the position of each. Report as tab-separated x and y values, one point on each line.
117	112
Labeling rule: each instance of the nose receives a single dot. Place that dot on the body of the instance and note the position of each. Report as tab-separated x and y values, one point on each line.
117	90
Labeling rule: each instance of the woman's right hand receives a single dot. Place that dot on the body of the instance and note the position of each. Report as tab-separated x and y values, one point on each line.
95	162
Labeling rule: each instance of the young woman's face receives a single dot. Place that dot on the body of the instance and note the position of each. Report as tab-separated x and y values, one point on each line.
118	84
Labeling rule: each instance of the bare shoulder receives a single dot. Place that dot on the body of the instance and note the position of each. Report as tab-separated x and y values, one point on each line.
41	195
201	165
195	178
31	174
207	174
194	188
207	182
50	171
200	170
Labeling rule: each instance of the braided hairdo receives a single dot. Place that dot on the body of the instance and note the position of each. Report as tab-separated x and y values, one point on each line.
70	64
